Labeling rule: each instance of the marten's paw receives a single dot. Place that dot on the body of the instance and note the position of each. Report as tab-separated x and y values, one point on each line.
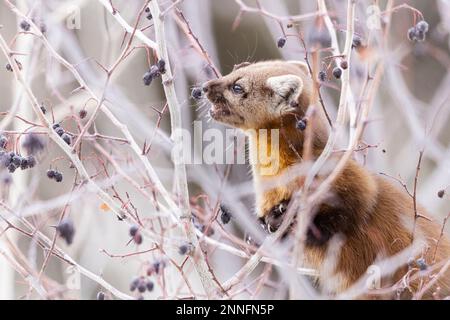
273	219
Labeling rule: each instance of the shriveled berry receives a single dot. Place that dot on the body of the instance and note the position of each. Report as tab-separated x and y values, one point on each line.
24	163
149	16
133	230
147	78
31	161
344	64
58	176
17	160
422	26
197	93
67	138
441	193
12	167
60	131
185	249
281	42
337	72
82	113
3	142
161	64
66	230
56	125
420	35
100	295
51	173
25	25
322	76
8	67
412	34
225	215
147	9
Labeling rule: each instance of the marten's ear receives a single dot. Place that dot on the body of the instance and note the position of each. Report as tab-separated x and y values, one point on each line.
289	86
302	65
241	65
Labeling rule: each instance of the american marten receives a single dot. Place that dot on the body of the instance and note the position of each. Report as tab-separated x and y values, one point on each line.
370	216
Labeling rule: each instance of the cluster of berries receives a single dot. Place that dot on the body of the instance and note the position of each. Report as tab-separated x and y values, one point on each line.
54	174
136	234
13	161
154	72
66	230
142	284
418	32
60	131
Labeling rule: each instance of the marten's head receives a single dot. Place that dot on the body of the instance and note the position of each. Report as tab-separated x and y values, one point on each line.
259	95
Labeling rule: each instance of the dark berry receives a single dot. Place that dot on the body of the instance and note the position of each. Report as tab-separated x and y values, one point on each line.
422	264
147	9
58	176
8	67
441	193
66	230
185	249
43	27
149	16
356	43
422	26
412	34
142	286
67	139
150	285
100	295
31	161
12	167
344	64
134	284
225	215
301	124
43	109
420	35
281	42
24	163
151	74
56	125
25	25
51	173
3	142
337	72
60	131
133	230
82	113
17	160
322	76
137	238
161	64
197	93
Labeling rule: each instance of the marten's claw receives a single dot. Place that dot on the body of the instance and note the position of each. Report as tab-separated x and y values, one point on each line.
273	219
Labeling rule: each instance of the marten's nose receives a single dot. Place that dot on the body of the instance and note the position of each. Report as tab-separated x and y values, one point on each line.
210	85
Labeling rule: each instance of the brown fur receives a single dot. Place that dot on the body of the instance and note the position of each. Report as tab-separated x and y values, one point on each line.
373	217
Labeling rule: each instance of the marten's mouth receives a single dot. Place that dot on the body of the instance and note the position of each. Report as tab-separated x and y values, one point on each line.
219	110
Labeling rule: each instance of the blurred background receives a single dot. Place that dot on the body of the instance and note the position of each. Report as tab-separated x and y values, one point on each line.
411	111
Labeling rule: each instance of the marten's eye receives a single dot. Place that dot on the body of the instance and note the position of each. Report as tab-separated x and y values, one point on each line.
237	89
